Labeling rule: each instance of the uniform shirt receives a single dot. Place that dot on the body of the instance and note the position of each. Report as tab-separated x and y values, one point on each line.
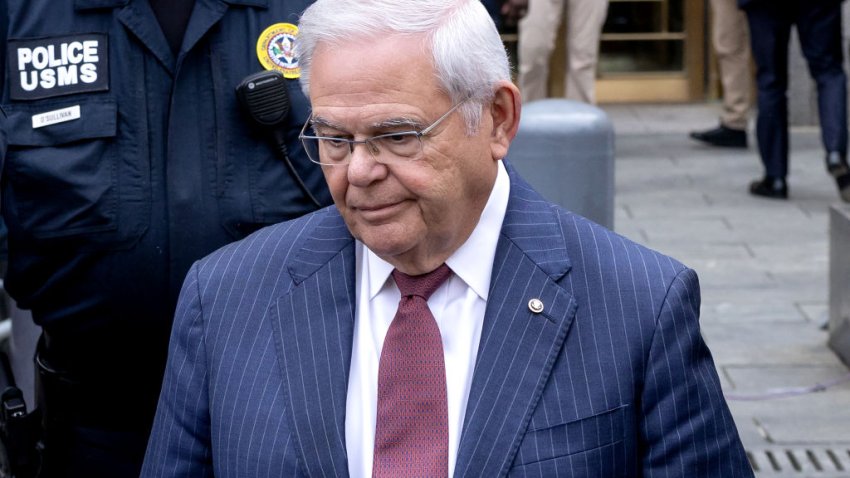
458	307
173	15
107	211
141	163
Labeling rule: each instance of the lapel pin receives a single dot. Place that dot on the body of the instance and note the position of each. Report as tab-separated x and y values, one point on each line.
535	306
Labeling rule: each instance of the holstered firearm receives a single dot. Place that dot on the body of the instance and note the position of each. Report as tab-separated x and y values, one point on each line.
20	433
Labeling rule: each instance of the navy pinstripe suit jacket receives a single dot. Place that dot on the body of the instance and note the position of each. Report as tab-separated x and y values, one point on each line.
612	379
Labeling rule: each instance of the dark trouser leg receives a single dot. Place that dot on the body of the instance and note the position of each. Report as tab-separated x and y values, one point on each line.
770	29
96	424
819	27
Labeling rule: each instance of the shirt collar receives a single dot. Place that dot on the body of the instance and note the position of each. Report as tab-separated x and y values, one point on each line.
479	248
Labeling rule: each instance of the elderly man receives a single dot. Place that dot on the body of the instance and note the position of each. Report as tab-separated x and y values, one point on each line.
441	318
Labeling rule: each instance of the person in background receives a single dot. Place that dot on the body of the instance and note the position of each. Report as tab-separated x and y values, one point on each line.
506	12
538	30
818	25
128	160
442	318
731	42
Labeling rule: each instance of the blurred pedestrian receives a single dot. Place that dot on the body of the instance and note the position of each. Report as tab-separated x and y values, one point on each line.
818	25
537	33
506	12
510	11
128	160
731	42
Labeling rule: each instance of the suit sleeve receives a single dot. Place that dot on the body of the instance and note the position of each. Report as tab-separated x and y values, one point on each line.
686	426
179	445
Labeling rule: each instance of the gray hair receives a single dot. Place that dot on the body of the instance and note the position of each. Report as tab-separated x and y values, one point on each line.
468	55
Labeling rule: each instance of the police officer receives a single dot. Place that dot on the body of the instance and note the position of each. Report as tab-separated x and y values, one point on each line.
128	159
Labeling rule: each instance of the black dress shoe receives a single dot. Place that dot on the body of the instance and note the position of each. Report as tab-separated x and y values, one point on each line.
722	136
836	164
770	187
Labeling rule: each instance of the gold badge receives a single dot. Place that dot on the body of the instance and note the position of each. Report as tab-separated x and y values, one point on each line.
276	49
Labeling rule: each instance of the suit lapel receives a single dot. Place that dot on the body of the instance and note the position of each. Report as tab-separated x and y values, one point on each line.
313	327
518	345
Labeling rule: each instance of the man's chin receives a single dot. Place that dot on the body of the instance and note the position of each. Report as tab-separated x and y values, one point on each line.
386	248
387	242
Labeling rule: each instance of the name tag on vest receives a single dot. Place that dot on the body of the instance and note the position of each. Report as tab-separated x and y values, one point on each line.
58	66
56	116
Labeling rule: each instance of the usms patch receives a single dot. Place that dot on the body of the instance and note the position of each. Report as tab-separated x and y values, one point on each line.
276	49
57	66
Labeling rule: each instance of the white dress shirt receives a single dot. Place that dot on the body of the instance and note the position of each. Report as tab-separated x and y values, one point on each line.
458	307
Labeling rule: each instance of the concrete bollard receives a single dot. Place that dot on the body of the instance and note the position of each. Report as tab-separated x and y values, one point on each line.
565	149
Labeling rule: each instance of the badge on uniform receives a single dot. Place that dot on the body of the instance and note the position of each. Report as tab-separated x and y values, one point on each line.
57	66
276	49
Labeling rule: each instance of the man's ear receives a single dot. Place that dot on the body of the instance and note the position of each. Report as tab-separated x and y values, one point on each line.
505	113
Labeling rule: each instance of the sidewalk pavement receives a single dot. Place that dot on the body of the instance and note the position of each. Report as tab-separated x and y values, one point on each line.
763	267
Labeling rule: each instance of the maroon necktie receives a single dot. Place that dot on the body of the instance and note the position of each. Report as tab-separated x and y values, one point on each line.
412	431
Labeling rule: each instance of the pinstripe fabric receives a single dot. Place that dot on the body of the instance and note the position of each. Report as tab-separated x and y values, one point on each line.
610	379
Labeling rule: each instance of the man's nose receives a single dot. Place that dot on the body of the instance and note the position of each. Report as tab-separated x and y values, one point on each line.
363	168
367	146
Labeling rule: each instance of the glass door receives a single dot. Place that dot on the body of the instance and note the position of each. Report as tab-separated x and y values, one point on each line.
652	51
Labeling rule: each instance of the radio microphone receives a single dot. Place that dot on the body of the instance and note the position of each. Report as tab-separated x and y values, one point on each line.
264	98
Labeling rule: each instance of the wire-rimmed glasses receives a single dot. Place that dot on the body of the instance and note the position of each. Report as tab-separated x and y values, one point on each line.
336	150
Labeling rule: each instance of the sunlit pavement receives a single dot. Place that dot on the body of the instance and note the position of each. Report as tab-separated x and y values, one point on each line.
763	267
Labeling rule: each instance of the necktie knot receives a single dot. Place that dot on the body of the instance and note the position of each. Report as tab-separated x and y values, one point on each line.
422	285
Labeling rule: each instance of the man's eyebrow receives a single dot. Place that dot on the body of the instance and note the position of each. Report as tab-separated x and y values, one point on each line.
397	122
319	121
389	123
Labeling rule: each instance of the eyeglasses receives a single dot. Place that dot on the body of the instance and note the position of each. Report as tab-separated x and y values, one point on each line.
385	148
